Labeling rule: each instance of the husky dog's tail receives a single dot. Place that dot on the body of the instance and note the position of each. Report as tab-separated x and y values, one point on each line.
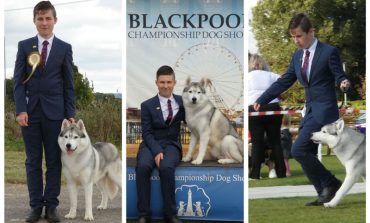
112	181
112	166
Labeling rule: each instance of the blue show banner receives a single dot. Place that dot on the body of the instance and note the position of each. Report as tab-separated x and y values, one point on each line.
202	193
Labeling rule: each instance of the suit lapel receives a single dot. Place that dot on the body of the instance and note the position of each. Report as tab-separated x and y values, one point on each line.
35	48
53	52
158	109
299	67
179	101
315	59
35	44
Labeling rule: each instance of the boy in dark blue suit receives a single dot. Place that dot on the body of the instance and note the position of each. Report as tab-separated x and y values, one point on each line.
42	102
161	118
318	68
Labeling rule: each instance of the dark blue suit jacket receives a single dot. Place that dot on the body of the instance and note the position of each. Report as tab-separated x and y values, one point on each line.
326	71
156	134
52	86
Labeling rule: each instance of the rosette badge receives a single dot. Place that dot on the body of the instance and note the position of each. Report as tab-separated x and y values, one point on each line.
34	59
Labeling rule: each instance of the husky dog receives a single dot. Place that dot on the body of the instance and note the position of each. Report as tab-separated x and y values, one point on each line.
85	164
349	146
209	126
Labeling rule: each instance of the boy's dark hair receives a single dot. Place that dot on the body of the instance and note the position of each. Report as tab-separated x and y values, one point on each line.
43	6
165	70
300	20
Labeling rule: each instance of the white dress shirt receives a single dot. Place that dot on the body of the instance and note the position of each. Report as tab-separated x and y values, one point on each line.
164	106
312	49
41	40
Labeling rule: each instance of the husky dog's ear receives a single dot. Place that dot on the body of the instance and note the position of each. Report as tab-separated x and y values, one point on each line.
80	125
188	81
204	82
65	124
340	126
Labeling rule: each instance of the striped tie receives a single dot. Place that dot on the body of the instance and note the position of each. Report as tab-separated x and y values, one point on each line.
44	53
305	66
170	112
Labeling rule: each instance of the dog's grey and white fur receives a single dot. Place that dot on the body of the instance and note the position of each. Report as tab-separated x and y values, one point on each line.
209	126
85	164
349	146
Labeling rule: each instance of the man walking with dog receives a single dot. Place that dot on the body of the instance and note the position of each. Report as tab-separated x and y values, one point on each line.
318	68
44	96
161	118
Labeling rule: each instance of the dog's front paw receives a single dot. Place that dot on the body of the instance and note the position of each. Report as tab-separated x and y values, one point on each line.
70	215
102	207
197	162
330	205
89	217
186	159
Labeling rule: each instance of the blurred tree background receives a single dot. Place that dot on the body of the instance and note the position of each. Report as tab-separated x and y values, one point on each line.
340	23
100	112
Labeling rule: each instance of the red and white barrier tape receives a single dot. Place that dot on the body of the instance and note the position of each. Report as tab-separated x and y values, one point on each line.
347	111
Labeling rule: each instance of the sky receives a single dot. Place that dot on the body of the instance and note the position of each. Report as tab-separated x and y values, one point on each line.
252	44
92	27
96	40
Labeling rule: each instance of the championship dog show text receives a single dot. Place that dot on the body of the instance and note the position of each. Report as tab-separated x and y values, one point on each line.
197	178
185	26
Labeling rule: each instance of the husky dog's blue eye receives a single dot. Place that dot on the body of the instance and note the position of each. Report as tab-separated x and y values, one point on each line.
66	137
198	92
75	137
190	91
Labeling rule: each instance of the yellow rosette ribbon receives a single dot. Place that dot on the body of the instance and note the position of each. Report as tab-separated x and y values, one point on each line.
34	59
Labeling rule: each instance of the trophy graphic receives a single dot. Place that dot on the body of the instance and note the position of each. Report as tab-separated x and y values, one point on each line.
34	59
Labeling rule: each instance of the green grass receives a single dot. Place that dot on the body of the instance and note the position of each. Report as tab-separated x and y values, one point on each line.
292	210
15	170
359	104
13	143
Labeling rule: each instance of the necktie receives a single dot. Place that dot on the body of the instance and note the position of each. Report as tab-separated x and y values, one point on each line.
170	112
44	53
305	66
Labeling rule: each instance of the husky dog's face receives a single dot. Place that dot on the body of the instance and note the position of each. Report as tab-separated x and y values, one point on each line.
73	137
194	92
329	134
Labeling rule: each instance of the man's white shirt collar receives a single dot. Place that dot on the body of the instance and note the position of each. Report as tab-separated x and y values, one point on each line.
42	39
313	46
164	99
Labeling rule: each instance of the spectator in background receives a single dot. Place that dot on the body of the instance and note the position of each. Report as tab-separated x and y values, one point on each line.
286	142
260	78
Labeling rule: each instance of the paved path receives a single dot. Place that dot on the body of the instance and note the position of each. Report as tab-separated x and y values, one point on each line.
16	206
294	191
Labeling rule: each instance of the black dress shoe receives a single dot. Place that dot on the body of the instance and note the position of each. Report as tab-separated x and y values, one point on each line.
144	219
172	219
51	215
34	215
329	192
316	202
